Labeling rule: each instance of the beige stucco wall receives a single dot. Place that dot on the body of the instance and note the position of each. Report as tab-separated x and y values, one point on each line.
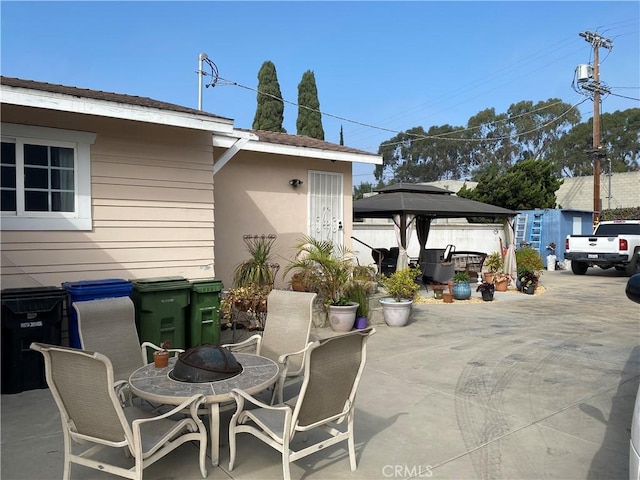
152	203
621	190
253	196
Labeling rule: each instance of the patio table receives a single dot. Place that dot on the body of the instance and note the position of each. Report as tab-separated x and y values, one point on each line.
155	385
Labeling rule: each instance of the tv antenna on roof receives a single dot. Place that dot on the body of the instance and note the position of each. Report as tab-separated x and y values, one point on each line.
203	58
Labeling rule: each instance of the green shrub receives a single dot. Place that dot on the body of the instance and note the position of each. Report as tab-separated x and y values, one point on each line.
402	284
528	258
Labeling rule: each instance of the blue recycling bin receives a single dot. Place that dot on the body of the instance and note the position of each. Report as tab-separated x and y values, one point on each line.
29	315
91	290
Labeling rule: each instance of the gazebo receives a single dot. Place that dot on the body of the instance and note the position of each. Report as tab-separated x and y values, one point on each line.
416	205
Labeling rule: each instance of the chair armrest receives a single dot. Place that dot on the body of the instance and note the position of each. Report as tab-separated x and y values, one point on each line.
153	346
122	391
240	396
192	403
253	338
284	360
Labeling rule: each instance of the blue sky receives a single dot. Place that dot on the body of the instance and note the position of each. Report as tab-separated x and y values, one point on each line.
389	65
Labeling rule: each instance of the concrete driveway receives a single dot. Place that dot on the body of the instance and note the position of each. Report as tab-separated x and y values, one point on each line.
524	387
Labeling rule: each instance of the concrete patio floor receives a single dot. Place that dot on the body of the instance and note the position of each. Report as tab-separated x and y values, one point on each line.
523	387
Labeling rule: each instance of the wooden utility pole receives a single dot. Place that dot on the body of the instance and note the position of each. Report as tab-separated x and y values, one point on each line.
596	89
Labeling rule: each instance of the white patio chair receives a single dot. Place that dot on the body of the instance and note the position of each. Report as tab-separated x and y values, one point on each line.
332	371
108	326
93	418
285	335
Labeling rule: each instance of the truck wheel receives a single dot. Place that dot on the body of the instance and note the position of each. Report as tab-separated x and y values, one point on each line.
633	266
579	268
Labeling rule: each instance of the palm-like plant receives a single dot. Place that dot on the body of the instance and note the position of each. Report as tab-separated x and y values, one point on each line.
257	270
327	267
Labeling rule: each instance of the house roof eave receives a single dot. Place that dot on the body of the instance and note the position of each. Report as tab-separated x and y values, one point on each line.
256	145
36	98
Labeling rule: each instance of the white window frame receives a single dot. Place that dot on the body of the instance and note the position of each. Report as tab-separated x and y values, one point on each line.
81	142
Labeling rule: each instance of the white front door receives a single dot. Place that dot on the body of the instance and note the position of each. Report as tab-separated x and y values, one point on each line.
325	206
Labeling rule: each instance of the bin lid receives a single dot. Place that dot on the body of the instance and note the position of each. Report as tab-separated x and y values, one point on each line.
31	292
97	285
160	283
207	286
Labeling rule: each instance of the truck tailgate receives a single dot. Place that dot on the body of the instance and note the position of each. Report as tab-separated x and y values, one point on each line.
586	243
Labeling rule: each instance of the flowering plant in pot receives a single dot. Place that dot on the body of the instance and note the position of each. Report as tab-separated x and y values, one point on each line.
487	290
527	280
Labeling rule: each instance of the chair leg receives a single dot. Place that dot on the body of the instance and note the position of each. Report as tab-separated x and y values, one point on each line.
286	464
232	441
351	443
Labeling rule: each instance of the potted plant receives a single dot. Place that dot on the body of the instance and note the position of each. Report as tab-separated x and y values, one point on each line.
402	288
461	287
259	269
245	306
358	293
501	281
329	269
493	264
527	280
487	290
528	258
161	357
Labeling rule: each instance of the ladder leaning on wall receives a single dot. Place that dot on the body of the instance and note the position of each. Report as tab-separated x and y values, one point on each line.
535	236
521	228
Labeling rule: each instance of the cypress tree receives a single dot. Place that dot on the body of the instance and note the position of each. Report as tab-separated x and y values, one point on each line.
341	136
270	110
309	120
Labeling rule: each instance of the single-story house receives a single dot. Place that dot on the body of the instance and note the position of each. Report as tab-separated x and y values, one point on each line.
105	185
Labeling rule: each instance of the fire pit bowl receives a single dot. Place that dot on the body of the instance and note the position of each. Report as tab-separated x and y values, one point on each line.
205	363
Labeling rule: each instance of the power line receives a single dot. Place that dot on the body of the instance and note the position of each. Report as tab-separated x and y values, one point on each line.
421	137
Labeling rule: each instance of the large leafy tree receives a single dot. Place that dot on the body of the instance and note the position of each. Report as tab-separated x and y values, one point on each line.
536	127
620	140
490	141
526	185
270	110
309	120
419	156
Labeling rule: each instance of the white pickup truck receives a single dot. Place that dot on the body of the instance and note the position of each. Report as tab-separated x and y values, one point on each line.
613	244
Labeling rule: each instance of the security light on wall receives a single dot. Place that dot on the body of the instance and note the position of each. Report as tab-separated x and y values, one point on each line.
295	182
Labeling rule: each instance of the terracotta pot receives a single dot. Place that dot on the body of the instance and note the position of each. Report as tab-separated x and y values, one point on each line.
161	359
501	286
447	297
488	277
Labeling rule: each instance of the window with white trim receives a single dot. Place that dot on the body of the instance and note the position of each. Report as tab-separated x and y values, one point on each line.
46	178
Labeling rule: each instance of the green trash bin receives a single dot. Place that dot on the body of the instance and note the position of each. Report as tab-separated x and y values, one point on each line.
161	309
204	314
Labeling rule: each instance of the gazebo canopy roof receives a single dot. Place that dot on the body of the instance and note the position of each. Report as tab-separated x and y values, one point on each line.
421	199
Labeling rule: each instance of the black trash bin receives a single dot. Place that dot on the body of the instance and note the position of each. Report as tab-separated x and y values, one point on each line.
28	315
